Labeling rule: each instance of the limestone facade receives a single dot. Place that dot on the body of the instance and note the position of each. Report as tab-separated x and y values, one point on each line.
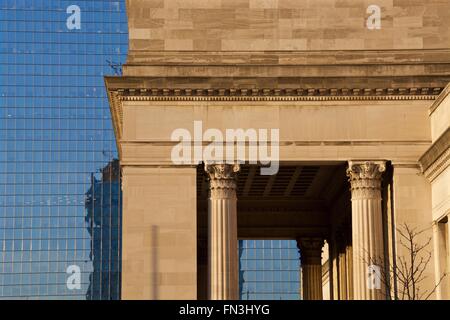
363	119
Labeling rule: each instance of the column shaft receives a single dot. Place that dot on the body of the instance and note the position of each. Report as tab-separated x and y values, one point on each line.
311	264
341	240
342	276
349	262
222	232
367	232
312	282
334	274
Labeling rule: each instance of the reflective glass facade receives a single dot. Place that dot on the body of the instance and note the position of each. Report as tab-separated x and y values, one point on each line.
269	270
60	202
59	182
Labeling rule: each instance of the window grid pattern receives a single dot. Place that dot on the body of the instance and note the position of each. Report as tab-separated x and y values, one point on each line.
269	270
60	202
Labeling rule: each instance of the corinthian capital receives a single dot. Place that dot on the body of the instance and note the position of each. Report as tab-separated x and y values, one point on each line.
222	179
365	178
310	249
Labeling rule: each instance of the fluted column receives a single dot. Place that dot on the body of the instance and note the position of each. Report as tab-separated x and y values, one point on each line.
349	262
342	264
222	232
367	232
311	264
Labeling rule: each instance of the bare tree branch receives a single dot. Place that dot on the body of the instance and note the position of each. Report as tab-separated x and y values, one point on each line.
410	268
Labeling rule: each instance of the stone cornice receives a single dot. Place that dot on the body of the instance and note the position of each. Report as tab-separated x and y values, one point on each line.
444	93
308	57
316	84
117	95
437	158
410	65
293	89
282	94
115	107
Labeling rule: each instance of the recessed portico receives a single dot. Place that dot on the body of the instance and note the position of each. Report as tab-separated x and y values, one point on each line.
329	186
351	126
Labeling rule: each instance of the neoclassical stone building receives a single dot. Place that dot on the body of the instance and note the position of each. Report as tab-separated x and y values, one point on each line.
363	117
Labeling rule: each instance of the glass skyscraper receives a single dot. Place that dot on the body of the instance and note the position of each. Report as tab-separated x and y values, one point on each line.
269	270
59	180
103	207
60	201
